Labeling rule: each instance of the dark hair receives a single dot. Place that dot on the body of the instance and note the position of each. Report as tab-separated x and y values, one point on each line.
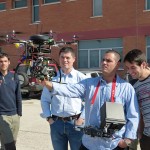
136	56
2	55
115	53
66	50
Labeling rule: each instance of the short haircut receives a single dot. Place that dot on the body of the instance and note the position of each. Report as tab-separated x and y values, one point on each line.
2	55
66	50
136	56
117	55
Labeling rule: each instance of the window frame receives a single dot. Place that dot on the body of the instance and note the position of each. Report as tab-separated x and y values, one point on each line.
146	5
100	50
86	63
15	1
4	5
33	12
147	47
94	9
51	2
148	60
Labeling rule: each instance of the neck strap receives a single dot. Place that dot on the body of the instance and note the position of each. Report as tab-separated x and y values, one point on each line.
112	91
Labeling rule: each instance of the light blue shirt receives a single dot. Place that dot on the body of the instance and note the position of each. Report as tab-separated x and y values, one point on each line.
124	94
60	105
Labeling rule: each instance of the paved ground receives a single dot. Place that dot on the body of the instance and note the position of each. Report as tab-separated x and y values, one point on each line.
34	130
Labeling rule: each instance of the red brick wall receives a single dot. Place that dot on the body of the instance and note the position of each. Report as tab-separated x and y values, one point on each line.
125	19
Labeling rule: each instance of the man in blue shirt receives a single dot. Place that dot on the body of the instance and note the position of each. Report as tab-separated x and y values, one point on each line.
124	94
10	104
62	112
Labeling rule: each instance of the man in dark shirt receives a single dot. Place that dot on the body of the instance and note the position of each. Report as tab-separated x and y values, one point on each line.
10	104
137	66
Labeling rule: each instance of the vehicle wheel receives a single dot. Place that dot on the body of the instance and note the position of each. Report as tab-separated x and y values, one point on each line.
21	68
23	78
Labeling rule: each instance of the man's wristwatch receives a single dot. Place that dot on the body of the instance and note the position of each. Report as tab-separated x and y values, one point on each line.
128	142
48	118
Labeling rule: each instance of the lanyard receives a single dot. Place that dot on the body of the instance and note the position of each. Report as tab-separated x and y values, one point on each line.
112	91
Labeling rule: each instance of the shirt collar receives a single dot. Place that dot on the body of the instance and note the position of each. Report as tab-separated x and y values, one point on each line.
8	73
72	73
103	81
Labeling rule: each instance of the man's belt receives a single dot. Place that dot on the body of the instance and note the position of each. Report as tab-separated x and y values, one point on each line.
66	118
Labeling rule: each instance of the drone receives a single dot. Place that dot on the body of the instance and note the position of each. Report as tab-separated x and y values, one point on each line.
37	50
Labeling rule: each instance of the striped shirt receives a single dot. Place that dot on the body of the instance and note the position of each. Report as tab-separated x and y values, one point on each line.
142	89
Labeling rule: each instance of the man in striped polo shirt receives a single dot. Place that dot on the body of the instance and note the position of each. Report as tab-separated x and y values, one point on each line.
137	67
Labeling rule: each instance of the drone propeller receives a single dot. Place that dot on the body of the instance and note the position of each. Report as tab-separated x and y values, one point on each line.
16	32
75	38
50	34
2	36
2	40
45	33
62	42
19	32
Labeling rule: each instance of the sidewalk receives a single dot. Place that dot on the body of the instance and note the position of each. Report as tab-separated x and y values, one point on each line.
34	130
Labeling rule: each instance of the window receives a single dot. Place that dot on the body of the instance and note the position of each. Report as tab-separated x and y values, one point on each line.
2	6
50	1
91	52
19	3
147	4
35	10
148	48
97	7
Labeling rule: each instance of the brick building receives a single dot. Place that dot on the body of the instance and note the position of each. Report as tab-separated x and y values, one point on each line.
99	24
